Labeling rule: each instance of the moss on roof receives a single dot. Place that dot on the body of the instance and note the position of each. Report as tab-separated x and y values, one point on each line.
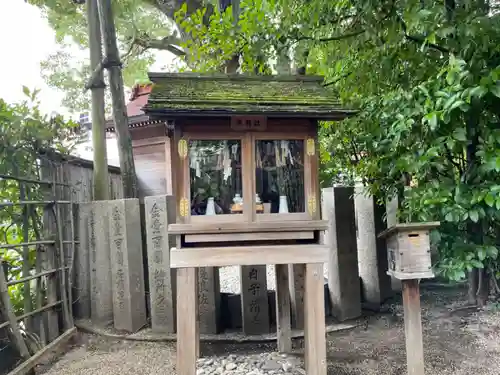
194	94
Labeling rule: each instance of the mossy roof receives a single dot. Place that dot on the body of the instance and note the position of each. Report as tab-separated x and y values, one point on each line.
190	94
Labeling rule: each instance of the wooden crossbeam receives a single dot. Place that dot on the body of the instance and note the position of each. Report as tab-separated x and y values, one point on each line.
247	255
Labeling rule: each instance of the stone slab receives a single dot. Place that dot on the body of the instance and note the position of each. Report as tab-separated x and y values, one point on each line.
129	303
101	306
208	299
372	253
254	301
159	211
343	275
296	283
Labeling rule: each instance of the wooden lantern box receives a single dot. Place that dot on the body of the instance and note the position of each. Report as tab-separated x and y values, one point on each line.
408	250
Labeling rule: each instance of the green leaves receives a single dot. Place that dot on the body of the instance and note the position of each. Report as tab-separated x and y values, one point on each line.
432	120
489	200
474	215
495	90
460	135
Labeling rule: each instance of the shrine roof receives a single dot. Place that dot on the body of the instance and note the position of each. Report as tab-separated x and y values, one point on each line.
191	94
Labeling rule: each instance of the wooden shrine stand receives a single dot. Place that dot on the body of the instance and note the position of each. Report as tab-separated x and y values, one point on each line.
244	160
409	259
186	260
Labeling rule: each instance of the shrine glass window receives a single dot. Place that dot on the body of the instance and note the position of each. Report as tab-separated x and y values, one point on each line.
215	177
279	176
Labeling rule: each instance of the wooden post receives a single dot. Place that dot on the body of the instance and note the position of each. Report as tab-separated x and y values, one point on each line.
100	170
314	323
113	65
7	311
283	318
187	325
413	327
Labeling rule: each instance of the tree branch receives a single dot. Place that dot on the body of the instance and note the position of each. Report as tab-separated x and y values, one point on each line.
432	45
418	39
332	82
168	43
332	38
449	156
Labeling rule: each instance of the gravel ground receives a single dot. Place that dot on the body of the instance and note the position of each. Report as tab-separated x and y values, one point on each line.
457	341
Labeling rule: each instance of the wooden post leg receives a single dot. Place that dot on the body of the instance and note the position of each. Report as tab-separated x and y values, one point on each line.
314	322
283	318
413	327
187	321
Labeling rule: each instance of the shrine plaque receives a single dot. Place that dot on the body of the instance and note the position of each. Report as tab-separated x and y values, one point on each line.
249	123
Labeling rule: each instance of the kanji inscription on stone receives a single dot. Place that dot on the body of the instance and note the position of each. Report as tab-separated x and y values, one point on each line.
254	300
158	213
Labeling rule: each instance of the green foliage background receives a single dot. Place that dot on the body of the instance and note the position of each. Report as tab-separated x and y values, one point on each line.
25	134
423	74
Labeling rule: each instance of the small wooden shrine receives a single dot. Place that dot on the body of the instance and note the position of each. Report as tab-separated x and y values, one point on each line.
243	152
409	260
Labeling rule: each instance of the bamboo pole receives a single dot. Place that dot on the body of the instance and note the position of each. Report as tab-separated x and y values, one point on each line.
29	180
40	296
100	170
127	166
31	243
32	203
39	293
41	309
32	277
7	311
23	194
64	290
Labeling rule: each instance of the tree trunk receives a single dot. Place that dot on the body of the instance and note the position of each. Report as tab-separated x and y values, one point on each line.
100	173
231	66
113	65
472	288
483	289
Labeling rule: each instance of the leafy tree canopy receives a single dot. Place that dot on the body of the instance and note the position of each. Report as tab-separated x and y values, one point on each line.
424	75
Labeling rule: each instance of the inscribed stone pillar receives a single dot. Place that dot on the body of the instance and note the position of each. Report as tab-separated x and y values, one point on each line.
82	264
296	286
254	302
129	304
159	212
101	307
343	275
372	253
208	299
